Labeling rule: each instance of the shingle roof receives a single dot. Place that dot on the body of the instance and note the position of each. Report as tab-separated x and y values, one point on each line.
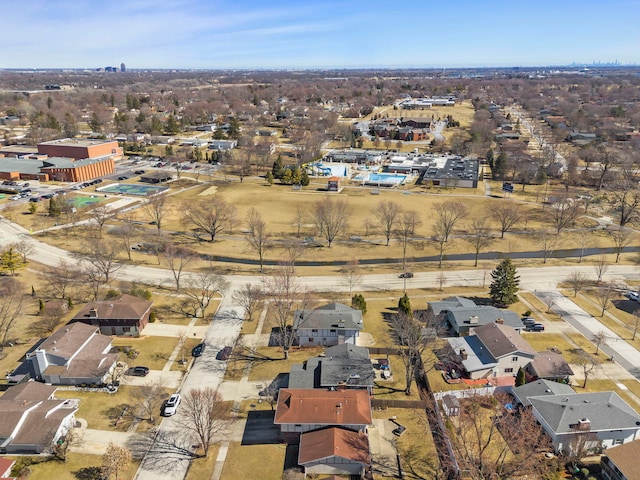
334	441
540	388
333	315
502	340
549	364
625	457
449	303
604	410
67	340
323	407
125	307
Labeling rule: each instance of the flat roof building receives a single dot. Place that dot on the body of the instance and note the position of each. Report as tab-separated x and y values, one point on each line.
81	148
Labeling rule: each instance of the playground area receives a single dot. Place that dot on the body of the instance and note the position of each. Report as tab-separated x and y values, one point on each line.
329	169
132	189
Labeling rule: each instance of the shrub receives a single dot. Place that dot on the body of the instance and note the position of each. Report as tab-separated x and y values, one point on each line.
359	303
152	317
404	305
528	313
112	293
140	292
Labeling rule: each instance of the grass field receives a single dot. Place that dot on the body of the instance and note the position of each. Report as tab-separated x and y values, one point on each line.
254	461
77	466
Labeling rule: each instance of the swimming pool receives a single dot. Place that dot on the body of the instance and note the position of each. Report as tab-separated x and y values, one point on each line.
382	179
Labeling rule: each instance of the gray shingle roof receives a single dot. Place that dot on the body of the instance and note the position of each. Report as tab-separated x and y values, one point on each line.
333	315
604	410
540	388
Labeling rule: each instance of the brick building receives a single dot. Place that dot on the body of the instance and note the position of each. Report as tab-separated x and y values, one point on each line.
66	170
81	148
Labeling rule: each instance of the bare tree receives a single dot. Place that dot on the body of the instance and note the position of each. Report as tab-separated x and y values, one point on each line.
210	217
386	214
604	295
259	237
564	213
588	364
599	339
507	213
621	238
351	276
601	268
61	278
299	219
24	248
125	233
447	216
115	460
288	298
479	237
10	307
205	414
99	216
627	197
203	287
156	209
177	259
406	226
101	256
148	399
577	281
250	298
549	242
331	218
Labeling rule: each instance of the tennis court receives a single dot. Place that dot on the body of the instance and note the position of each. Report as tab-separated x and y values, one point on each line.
132	189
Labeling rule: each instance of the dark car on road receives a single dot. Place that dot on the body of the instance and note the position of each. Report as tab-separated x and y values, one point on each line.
140	371
224	354
406	275
197	350
536	327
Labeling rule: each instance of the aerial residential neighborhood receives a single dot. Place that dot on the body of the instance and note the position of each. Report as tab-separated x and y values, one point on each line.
299	241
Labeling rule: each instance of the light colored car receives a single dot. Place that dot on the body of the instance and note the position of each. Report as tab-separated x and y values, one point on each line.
632	296
171	407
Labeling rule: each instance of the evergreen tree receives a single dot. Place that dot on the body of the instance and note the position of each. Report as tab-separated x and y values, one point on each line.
234	128
490	159
10	261
521	378
500	167
504	287
304	178
278	168
54	208
269	178
173	126
404	305
287	177
358	302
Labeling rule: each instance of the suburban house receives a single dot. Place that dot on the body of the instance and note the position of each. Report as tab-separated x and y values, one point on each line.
302	410
597	420
462	314
334	450
75	354
32	419
539	388
621	462
332	324
125	315
549	365
341	366
492	350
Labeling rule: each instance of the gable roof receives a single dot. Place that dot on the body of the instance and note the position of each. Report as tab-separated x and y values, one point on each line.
28	392
549	364
323	407
332	315
625	457
604	410
334	442
67	340
124	307
502	340
540	388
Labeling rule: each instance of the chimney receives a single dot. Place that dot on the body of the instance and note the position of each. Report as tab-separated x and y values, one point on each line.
93	313
463	354
584	424
500	321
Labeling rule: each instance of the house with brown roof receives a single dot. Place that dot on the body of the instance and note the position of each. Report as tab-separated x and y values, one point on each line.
6	465
334	450
32	419
549	365
302	410
492	350
621	462
75	354
126	315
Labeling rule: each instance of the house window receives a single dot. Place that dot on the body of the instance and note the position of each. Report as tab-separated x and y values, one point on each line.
314	330
311	339
514	359
333	330
126	329
617	441
508	370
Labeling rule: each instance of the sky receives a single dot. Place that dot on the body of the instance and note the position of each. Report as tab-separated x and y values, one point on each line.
251	34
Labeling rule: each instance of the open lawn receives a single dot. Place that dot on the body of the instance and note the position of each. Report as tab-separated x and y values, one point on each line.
200	468
394	388
254	461
77	466
153	351
185	354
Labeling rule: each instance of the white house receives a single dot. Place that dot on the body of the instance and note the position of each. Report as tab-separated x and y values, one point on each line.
332	324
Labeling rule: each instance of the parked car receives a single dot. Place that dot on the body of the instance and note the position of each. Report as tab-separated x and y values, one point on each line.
171	405
406	275
197	350
35	199
122	177
139	172
633	296
224	354
528	321
536	327
140	371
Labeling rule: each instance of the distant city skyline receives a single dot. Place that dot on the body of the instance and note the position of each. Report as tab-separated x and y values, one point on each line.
248	34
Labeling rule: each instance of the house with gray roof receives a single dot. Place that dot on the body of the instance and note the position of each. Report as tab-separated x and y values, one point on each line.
597	420
331	324
492	350
33	419
539	388
341	366
462	314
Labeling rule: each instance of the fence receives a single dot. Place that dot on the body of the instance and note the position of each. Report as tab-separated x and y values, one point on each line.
384	404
